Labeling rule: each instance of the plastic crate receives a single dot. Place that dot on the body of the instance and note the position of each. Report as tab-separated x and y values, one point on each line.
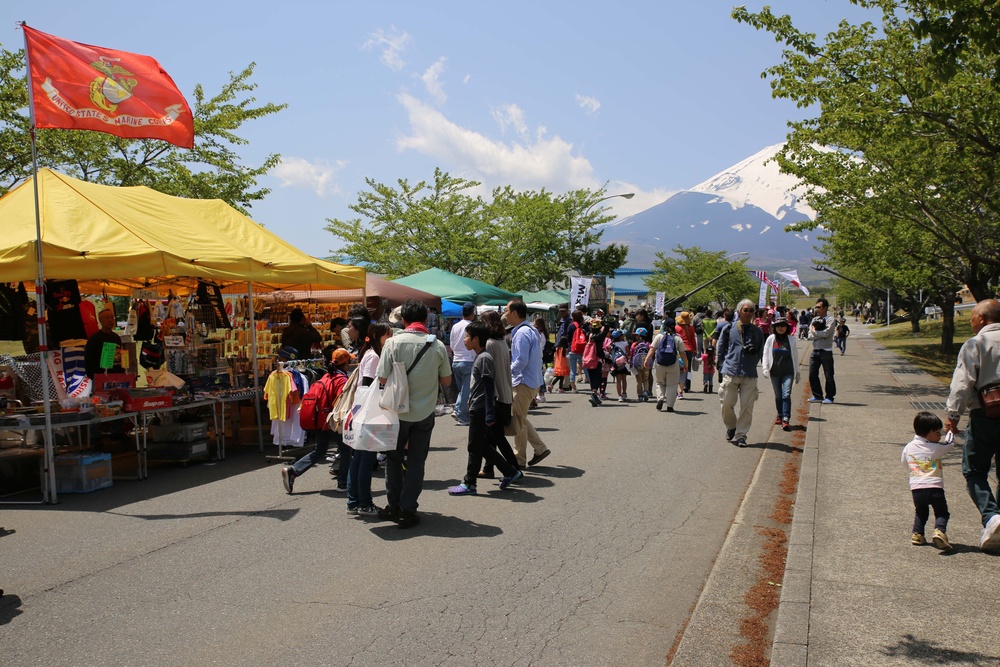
83	473
188	432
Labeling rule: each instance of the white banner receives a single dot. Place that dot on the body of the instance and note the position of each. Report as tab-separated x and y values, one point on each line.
762	297
580	291
661	298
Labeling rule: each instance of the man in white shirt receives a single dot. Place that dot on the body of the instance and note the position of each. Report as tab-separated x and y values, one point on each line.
461	364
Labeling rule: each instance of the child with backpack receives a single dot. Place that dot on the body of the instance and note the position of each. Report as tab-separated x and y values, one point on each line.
619	364
316	406
708	367
667	351
637	355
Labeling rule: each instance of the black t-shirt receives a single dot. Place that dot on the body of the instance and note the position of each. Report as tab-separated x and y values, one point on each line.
92	352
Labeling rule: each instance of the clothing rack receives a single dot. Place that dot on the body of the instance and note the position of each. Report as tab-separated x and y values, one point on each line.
296	364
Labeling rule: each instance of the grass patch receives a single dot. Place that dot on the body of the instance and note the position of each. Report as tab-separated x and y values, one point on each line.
923	349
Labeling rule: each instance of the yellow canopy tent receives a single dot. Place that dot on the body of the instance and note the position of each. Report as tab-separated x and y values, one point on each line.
117	239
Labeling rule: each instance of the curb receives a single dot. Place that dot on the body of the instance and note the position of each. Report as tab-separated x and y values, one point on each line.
790	647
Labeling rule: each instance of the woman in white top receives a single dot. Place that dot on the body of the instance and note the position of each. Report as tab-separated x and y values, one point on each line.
359	474
781	363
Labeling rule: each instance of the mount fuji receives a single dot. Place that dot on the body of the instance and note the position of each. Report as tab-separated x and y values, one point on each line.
742	208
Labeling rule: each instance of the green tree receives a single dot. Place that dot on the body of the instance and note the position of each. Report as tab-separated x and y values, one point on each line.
516	240
211	170
687	268
902	159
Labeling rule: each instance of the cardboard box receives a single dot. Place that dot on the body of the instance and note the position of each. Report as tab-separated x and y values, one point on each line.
179	432
83	473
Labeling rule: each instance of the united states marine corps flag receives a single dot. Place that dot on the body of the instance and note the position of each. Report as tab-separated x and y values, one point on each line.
77	86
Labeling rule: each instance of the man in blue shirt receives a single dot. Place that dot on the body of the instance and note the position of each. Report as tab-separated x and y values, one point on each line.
740	346
526	374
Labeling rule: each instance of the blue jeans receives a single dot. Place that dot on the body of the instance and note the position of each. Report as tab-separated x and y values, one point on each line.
317	455
982	448
359	479
412	446
782	385
575	366
824	359
461	371
841	344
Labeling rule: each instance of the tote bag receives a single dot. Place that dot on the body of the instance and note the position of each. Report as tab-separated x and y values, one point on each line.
369	427
396	395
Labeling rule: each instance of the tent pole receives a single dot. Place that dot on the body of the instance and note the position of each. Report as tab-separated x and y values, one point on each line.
253	361
49	493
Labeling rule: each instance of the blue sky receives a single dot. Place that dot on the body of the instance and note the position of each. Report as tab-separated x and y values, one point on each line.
649	97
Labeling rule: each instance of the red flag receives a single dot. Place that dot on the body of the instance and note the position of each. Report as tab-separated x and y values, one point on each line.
81	87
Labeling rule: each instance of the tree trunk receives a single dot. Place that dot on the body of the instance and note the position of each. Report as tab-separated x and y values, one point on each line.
915	314
947	304
980	289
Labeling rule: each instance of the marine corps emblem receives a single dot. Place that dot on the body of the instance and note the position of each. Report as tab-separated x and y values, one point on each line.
110	90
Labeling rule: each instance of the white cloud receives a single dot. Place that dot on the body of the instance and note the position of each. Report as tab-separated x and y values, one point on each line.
432	82
297	172
467	78
510	115
523	163
589	104
392	43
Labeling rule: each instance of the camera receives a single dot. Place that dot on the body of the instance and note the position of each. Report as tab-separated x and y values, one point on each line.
819	323
749	347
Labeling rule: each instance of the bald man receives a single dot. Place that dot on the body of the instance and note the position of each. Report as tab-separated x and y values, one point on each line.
978	367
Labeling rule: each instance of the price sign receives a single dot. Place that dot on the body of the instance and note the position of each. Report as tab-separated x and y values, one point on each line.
108	355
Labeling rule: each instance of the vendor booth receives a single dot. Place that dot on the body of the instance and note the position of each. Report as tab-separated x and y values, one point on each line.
201	262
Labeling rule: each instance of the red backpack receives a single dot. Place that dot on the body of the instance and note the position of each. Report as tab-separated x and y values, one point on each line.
579	342
317	404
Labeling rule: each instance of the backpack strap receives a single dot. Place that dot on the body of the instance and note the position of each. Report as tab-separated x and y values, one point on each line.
419	354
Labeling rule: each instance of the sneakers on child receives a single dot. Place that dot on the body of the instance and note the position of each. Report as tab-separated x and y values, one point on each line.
370	510
594	400
507	481
621	399
940	540
917	539
352	509
462	489
288	478
990	540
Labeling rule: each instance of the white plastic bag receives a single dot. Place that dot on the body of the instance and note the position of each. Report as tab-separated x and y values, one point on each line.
396	395
370	427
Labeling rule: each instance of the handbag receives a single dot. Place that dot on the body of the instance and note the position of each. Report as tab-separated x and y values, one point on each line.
560	366
989	398
343	403
396	395
369	427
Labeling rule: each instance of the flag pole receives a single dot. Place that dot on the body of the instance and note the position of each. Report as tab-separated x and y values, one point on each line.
48	466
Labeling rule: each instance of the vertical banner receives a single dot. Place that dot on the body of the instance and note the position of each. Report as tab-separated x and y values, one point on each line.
661	298
762	297
580	291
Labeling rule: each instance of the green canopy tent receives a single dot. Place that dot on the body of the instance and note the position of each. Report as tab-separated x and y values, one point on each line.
456	288
549	296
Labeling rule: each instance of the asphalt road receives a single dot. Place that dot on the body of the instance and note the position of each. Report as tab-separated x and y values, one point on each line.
597	558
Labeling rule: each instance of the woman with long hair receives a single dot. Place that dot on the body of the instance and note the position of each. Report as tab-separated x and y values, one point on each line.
359	473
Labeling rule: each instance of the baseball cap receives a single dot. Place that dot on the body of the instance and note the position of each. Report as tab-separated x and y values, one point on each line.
468	308
342	356
641	331
288	352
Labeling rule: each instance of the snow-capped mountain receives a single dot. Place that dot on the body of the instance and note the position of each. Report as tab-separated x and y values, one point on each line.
742	208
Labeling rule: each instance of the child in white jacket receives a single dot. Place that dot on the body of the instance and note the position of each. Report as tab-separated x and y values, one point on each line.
922	457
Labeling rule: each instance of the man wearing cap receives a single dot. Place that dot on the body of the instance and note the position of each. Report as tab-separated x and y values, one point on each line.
526	373
461	363
334	382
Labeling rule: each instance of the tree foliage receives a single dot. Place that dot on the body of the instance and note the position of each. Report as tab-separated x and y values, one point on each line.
516	240
211	170
901	162
687	268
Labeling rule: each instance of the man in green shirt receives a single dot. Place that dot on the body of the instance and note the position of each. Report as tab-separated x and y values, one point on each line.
415	427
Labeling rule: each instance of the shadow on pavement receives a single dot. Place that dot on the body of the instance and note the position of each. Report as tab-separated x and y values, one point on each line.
909	390
280	515
930	653
563	472
433	524
10	608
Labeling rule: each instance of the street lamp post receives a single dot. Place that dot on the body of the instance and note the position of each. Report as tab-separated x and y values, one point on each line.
626	195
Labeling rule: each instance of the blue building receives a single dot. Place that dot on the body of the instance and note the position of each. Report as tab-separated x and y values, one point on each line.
627	290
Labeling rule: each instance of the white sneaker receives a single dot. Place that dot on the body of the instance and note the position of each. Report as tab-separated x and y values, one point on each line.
990	540
541	398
